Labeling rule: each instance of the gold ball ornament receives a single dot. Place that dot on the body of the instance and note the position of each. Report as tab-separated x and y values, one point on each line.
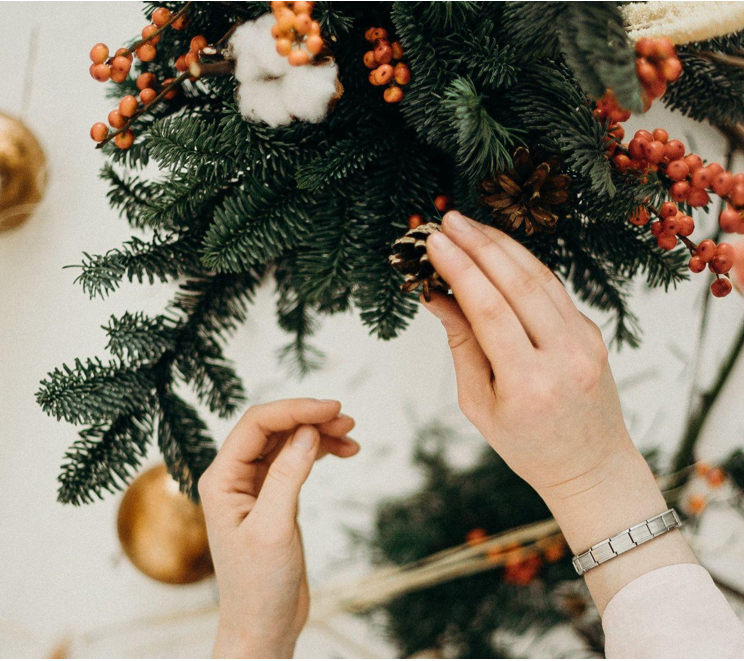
23	172
162	532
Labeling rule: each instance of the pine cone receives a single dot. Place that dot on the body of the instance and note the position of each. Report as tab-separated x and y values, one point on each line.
527	194
410	258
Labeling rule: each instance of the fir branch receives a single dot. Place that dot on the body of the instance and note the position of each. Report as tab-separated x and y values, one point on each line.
183	439
346	158
92	392
245	234
130	195
295	316
161	259
139	338
484	145
105	457
202	364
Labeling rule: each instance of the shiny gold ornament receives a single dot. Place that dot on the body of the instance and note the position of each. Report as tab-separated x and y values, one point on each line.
23	172
162	532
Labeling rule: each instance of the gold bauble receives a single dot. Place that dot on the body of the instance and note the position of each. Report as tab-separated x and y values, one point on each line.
162	532
22	172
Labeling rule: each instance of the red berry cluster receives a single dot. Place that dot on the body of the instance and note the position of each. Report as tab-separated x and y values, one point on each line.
387	69
297	35
196	46
442	203
117	69
657	65
719	259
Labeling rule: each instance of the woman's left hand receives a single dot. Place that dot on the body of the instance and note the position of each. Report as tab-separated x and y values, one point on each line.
249	495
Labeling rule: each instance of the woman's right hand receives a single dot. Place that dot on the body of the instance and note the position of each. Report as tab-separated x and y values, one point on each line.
533	377
532	371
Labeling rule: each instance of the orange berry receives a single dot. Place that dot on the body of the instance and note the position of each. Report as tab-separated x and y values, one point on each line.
315	28
701	469
314	44
298	58
414	220
383	53
379	33
124	140
198	43
729	220
99	53
696	265
283	47
161	16
128	105
622	162
666	241
706	250
475	536
668	209
645	47
721	287
191	58
664	48
118	76
383	74
677	170
698	197
147	31
661	135
303	8
686	225
700	178
147	95
696	504
369	60
671	69
116	120
674	150
145	80
180	23
171	93
646	71
402	74
442	203
181	63
554	552
393	94
640	216
120	64
680	190
693	161
100	72
397	50
302	24
285	20
716	477
368	34
99	131
146	52
124	52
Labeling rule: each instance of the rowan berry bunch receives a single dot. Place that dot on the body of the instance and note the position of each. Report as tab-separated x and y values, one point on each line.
657	65
387	69
297	35
442	203
117	69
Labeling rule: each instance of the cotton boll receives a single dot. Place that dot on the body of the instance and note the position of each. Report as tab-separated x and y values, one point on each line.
307	91
255	53
264	48
261	101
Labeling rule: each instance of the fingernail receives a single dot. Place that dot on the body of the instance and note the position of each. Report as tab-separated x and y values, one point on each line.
457	221
441	242
304	438
328	401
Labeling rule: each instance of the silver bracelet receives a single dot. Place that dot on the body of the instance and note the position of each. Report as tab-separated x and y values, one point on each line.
625	541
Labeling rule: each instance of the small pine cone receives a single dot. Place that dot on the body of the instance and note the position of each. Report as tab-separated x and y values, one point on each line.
410	258
528	193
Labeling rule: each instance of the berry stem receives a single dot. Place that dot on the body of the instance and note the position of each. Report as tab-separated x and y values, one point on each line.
176	82
690	245
722	58
163	27
212	69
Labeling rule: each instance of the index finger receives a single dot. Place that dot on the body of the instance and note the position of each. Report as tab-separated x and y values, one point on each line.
246	441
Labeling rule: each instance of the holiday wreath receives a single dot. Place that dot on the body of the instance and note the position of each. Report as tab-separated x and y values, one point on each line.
300	141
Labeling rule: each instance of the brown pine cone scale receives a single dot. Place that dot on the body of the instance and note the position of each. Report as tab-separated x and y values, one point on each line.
409	256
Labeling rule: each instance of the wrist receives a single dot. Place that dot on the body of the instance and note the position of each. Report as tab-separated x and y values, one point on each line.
618	494
233	643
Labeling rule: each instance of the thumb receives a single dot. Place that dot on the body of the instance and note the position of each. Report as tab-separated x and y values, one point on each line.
276	505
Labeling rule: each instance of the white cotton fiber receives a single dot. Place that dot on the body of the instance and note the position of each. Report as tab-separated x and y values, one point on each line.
270	90
306	91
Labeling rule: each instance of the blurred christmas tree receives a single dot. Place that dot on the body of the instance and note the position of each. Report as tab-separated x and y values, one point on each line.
281	158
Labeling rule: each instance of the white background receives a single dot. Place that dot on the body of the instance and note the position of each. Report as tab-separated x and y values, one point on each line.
61	571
